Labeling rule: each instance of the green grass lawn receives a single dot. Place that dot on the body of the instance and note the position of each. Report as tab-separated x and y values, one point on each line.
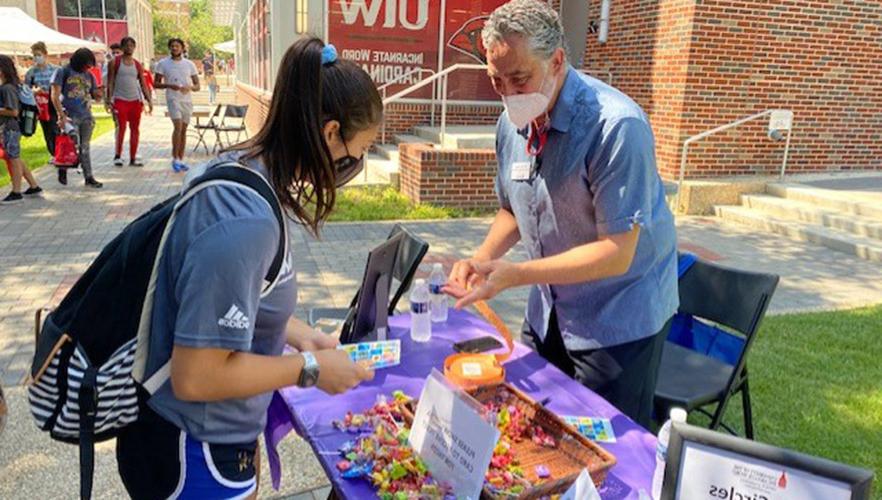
33	148
367	203
816	386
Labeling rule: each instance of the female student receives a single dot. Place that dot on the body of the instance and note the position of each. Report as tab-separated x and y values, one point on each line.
10	134
198	438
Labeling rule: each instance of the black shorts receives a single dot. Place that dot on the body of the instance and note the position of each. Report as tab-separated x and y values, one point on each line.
150	454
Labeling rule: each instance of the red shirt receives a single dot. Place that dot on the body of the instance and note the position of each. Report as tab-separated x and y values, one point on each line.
148	80
96	72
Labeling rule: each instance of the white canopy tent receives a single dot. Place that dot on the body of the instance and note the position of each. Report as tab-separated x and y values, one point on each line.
229	46
20	31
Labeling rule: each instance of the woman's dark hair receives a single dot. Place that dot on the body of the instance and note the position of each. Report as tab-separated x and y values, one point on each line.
39	46
7	69
176	40
125	40
82	58
308	94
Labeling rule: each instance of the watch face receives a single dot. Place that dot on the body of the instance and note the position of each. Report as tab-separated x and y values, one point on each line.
309	378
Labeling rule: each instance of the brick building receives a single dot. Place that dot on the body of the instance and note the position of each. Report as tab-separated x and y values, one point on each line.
105	21
692	64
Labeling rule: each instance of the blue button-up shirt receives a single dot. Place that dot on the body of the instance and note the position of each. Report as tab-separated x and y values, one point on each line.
596	177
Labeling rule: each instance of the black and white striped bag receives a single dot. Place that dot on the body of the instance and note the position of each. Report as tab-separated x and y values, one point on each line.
88	379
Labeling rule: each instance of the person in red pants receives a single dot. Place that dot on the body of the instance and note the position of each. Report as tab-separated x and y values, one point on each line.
126	93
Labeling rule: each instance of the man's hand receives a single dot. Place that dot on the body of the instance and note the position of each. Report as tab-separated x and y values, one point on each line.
184	89
149	108
486	280
463	274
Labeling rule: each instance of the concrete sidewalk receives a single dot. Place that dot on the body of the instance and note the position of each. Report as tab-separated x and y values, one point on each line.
46	243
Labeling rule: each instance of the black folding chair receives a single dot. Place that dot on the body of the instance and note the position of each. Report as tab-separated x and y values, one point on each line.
237	115
733	303
411	251
202	129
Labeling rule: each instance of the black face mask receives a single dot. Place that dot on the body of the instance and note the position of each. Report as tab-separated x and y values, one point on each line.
347	167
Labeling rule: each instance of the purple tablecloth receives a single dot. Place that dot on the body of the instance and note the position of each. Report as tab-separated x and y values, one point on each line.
311	411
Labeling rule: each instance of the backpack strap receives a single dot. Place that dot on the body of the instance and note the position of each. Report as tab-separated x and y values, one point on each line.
226	174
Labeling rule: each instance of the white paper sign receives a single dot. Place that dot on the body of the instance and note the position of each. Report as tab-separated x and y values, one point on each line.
582	489
780	119
451	437
709	473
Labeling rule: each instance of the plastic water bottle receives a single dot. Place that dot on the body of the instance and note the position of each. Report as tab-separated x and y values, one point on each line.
420	317
661	450
437	298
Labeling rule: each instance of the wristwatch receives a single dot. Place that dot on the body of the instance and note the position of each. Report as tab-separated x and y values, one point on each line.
310	373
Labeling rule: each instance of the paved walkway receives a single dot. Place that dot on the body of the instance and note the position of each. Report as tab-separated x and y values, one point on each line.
46	243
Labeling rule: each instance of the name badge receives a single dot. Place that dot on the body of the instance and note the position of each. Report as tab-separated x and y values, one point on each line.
520	171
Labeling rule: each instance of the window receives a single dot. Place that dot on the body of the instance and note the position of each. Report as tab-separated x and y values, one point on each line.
67	8
302	21
259	44
115	9
92	9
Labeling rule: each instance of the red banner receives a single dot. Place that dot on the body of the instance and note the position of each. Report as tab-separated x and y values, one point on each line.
392	39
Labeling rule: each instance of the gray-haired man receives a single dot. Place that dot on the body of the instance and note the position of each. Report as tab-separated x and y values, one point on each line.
578	187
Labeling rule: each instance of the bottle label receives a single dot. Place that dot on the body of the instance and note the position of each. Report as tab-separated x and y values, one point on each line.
419	307
434	289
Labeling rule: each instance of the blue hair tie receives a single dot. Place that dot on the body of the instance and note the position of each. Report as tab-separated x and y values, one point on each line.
329	54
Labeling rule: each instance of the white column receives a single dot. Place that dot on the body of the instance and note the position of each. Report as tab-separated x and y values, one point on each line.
282	31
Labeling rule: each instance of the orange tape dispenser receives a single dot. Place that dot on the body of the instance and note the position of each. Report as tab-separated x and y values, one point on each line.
473	370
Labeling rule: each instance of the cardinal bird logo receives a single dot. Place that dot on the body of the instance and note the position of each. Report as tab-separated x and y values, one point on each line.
782	481
467	39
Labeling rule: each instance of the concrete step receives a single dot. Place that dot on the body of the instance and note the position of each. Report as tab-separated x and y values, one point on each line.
803	211
865	248
380	170
827	198
387	151
409	138
460	136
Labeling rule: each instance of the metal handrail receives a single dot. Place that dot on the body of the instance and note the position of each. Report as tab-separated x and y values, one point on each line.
721	128
382	88
441	75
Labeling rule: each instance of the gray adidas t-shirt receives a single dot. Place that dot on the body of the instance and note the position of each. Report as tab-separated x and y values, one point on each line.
208	295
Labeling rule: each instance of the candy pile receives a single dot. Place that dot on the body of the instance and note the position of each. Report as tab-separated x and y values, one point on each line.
381	453
505	477
383	456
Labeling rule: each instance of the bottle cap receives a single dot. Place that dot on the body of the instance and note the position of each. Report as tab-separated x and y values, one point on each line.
419	282
437	267
678	415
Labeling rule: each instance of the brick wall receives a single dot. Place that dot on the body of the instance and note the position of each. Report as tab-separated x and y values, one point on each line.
401	117
694	65
46	13
460	179
258	101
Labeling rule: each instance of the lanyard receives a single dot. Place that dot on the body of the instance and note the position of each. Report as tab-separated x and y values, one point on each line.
535	144
537	139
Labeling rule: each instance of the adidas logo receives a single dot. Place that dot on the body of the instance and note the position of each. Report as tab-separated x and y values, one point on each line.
234	319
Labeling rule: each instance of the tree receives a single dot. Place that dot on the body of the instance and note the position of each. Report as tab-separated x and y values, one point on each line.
200	33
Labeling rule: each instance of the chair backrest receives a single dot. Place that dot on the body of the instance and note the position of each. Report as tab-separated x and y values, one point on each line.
729	297
411	251
235	111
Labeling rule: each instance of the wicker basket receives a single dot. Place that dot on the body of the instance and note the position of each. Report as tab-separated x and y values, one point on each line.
573	452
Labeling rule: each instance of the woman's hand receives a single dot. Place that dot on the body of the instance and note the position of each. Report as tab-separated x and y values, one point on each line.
315	340
338	373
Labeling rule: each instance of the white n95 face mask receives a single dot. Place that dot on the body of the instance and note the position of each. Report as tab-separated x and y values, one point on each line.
524	108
